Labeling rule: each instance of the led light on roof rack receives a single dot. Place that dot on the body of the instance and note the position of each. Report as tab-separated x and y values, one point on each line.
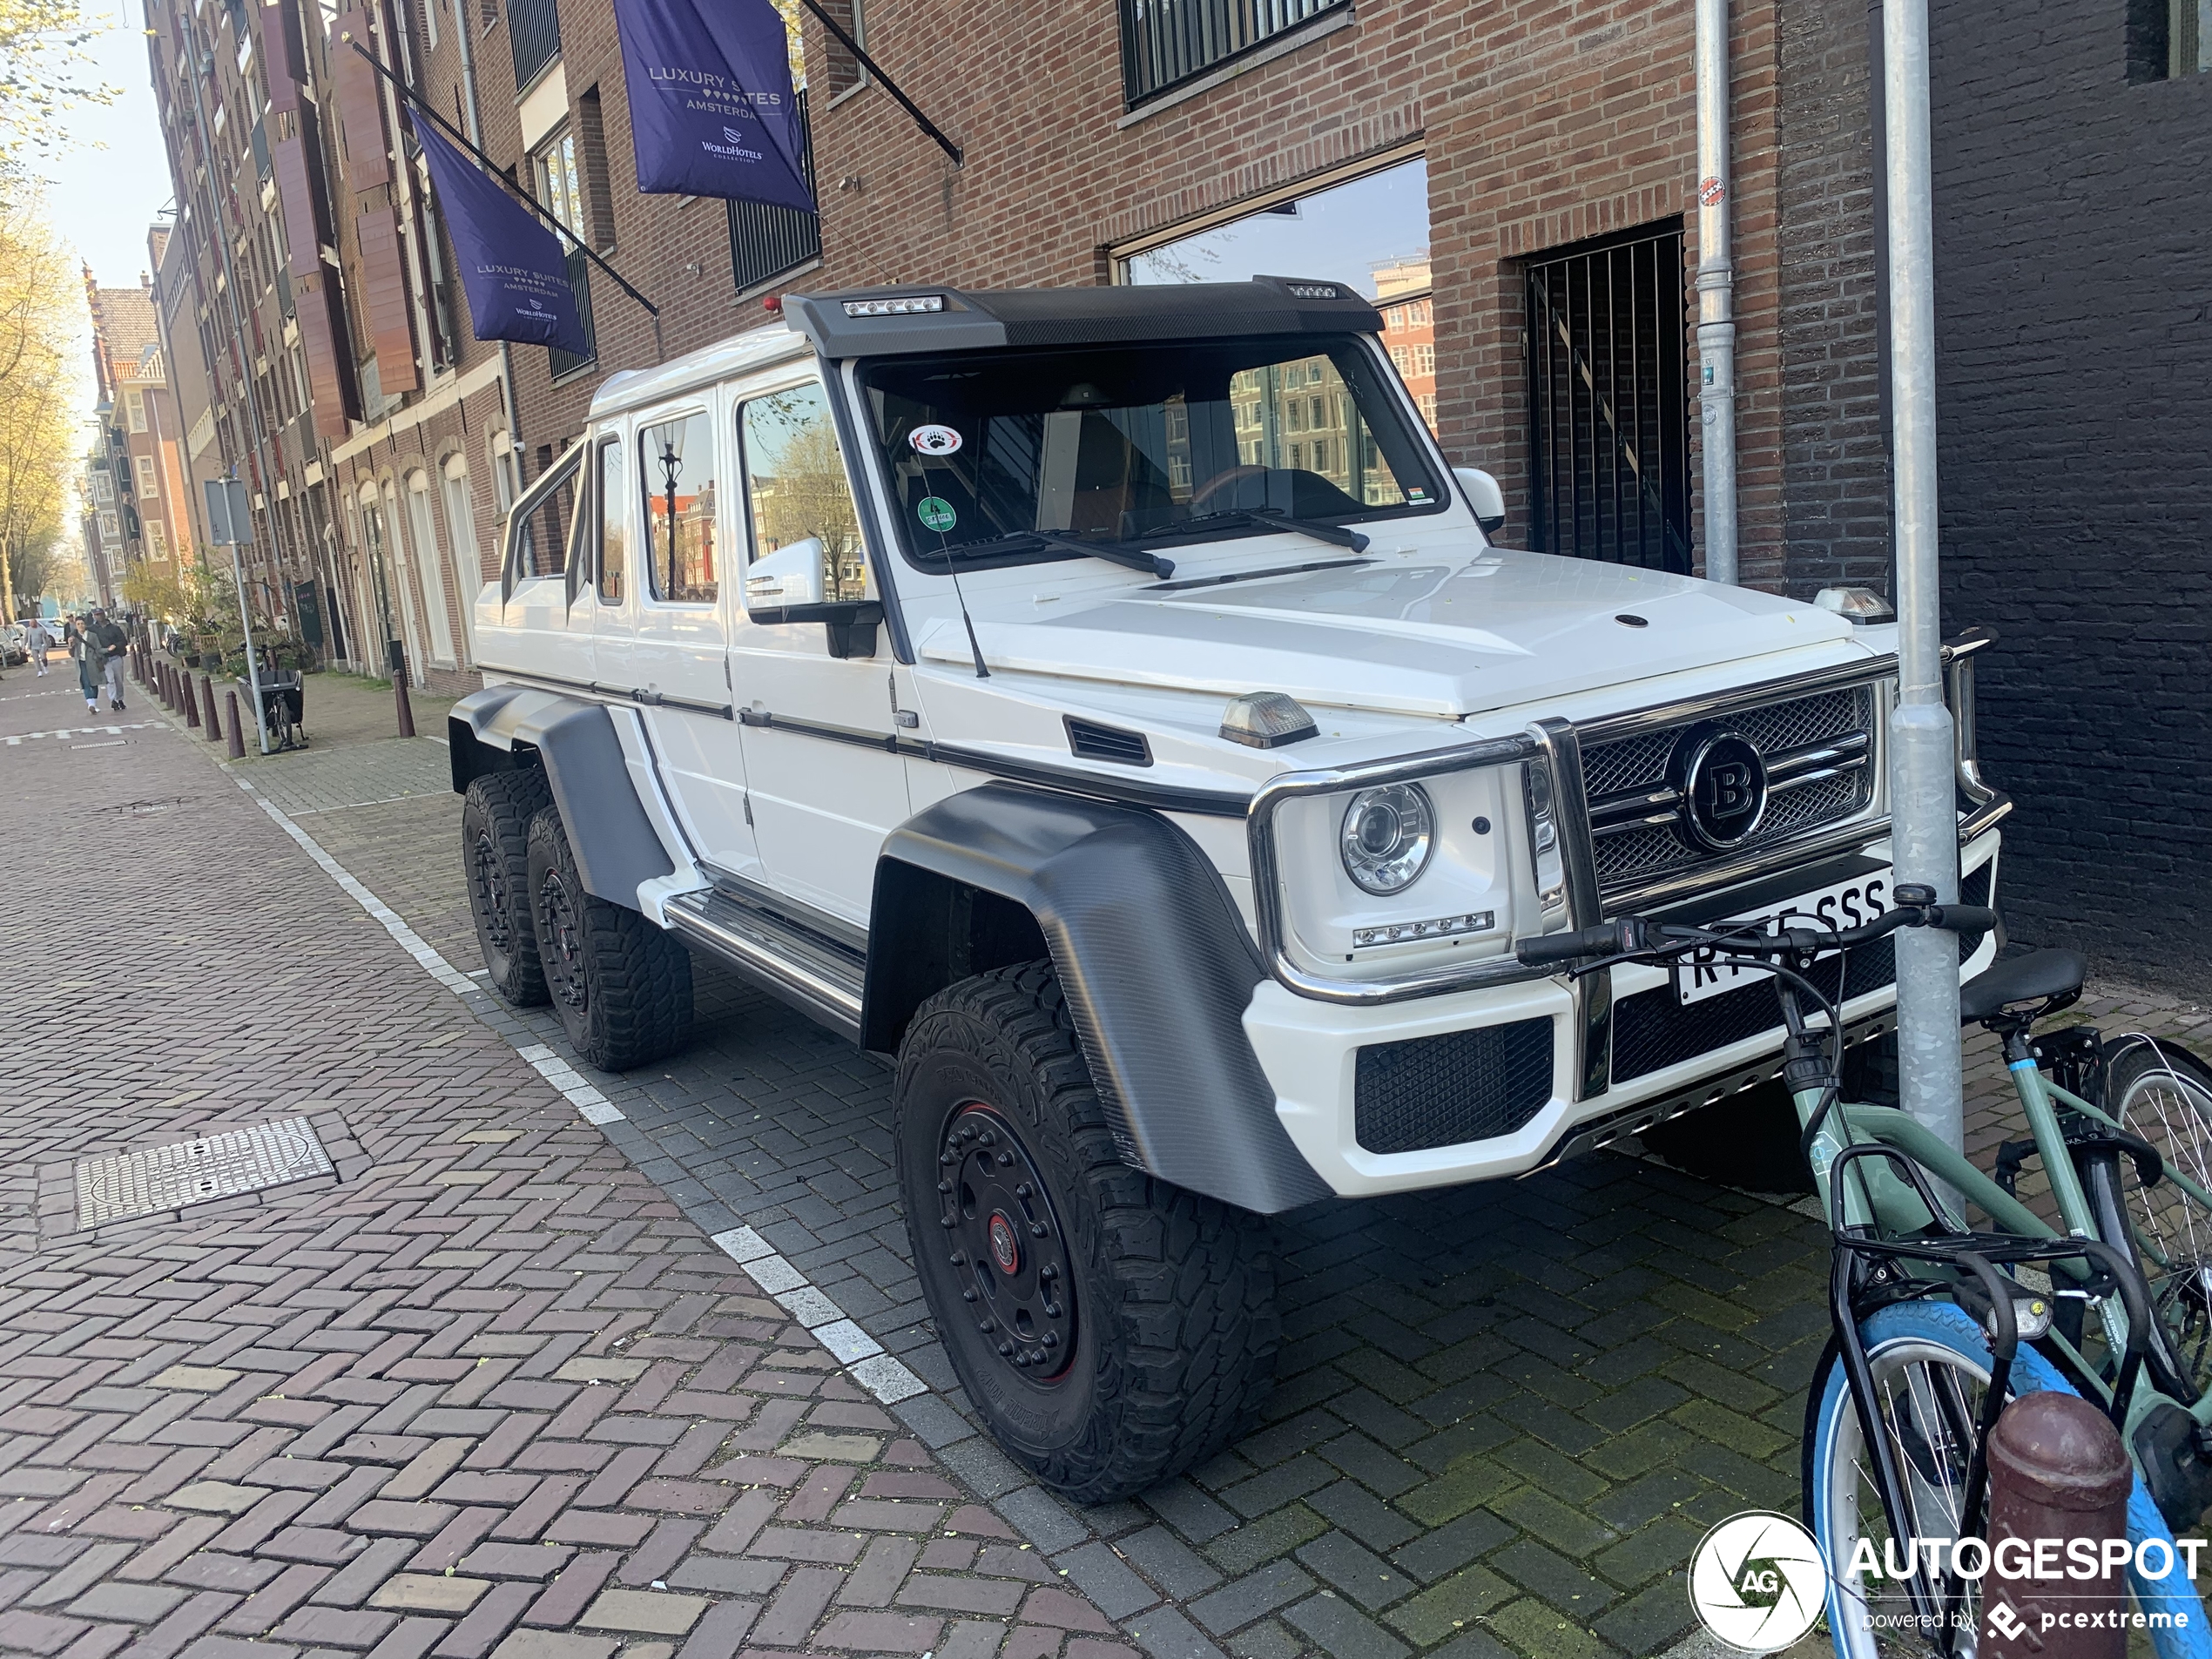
1312	291
906	306
1399	932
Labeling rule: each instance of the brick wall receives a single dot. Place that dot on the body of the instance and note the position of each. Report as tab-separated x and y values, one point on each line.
2075	386
1542	125
1835	520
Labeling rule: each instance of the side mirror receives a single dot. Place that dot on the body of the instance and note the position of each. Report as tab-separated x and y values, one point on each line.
790	576
1484	496
787	586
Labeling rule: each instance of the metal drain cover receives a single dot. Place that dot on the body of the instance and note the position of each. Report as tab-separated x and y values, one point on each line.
219	1166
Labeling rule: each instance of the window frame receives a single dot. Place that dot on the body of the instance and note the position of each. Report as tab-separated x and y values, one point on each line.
617	443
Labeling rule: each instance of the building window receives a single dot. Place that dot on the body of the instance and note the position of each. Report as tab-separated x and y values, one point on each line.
1369	234
1608	412
767	239
103	487
1165	42
156	542
533	33
554	170
149	483
422	529
461	525
135	401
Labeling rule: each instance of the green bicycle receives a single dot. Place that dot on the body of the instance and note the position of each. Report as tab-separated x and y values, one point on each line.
1935	1326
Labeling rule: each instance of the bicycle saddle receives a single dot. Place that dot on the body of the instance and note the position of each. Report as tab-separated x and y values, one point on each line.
2034	978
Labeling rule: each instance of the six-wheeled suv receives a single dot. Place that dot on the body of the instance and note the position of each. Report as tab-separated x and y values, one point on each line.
1107	703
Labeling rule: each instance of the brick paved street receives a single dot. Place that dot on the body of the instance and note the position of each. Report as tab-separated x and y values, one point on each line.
1505	1412
485	1390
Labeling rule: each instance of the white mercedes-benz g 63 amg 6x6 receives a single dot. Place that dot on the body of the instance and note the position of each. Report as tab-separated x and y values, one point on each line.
1106	703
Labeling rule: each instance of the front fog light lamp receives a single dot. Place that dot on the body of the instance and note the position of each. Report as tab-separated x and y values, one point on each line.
1388	837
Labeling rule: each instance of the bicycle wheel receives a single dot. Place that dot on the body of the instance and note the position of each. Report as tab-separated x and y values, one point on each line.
2165	1095
1930	1365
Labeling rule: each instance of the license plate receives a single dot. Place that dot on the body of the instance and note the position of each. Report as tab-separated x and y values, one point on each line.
1851	903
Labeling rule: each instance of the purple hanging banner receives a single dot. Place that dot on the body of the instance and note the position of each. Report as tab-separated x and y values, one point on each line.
512	268
712	111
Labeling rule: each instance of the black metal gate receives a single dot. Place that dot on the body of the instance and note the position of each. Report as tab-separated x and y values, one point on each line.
1609	419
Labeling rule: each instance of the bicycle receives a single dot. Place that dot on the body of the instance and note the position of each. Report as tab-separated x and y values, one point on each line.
1935	1326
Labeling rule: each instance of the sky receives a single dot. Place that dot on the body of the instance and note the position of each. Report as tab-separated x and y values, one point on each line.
112	177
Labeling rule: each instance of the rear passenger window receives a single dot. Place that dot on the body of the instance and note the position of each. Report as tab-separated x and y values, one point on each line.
545	532
614	507
795	486
676	468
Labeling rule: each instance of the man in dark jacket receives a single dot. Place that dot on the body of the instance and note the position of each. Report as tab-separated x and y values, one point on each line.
106	644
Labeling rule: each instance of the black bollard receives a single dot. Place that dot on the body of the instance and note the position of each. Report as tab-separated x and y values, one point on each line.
212	722
238	739
398	653
2057	1470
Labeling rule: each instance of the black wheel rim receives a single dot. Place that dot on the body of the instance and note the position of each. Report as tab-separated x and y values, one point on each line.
488	875
1011	1257
564	967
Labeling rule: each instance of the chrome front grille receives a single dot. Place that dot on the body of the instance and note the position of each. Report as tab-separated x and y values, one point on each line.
1818	752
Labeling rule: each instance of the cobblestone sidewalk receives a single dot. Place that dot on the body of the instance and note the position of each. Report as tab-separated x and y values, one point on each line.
485	1392
1505	1412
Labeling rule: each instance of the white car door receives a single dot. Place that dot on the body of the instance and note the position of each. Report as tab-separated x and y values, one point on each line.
662	598
827	785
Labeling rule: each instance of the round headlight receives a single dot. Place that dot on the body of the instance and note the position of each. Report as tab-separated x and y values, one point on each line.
1389	836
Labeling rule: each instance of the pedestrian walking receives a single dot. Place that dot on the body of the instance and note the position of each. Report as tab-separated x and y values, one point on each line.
88	666
37	642
109	643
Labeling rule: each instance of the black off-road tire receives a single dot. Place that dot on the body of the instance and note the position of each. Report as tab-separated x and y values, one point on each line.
1173	1295
622	987
496	817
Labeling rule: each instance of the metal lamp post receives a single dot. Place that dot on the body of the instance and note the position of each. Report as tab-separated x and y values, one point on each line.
1923	820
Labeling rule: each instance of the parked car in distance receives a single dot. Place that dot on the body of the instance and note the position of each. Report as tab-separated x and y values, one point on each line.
1108	703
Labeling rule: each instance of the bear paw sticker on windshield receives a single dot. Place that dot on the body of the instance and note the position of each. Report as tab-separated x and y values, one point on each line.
934	440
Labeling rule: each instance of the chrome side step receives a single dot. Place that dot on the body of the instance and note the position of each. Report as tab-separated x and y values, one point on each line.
795	965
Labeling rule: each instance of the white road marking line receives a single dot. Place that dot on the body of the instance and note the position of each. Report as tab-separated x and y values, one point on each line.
858	1353
861	1354
22	737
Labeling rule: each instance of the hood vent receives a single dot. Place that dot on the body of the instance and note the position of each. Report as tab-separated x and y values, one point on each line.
1092	741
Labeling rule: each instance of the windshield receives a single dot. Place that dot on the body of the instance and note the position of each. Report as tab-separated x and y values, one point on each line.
1155	444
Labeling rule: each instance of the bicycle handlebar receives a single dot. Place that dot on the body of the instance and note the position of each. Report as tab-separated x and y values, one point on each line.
1636	936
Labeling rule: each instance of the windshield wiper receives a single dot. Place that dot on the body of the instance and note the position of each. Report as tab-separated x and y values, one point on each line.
1271	518
1121	553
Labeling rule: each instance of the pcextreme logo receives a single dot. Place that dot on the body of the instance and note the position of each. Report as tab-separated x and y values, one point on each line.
1757	1581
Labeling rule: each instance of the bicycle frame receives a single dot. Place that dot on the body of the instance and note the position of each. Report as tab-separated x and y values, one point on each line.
1893	1205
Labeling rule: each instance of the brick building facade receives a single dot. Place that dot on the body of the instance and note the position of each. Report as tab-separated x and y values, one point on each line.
1515	186
2074	384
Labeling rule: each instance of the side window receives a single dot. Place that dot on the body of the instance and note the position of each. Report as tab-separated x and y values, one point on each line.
545	532
614	507
795	486
676	468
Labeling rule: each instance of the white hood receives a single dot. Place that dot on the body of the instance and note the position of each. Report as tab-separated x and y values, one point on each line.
1427	636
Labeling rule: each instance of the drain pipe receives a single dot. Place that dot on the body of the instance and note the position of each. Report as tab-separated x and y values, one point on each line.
1923	808
1715	293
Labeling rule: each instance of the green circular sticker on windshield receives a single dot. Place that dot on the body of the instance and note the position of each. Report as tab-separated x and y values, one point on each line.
936	513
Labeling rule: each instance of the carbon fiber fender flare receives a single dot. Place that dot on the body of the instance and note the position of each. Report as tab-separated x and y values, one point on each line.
1155	962
615	843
